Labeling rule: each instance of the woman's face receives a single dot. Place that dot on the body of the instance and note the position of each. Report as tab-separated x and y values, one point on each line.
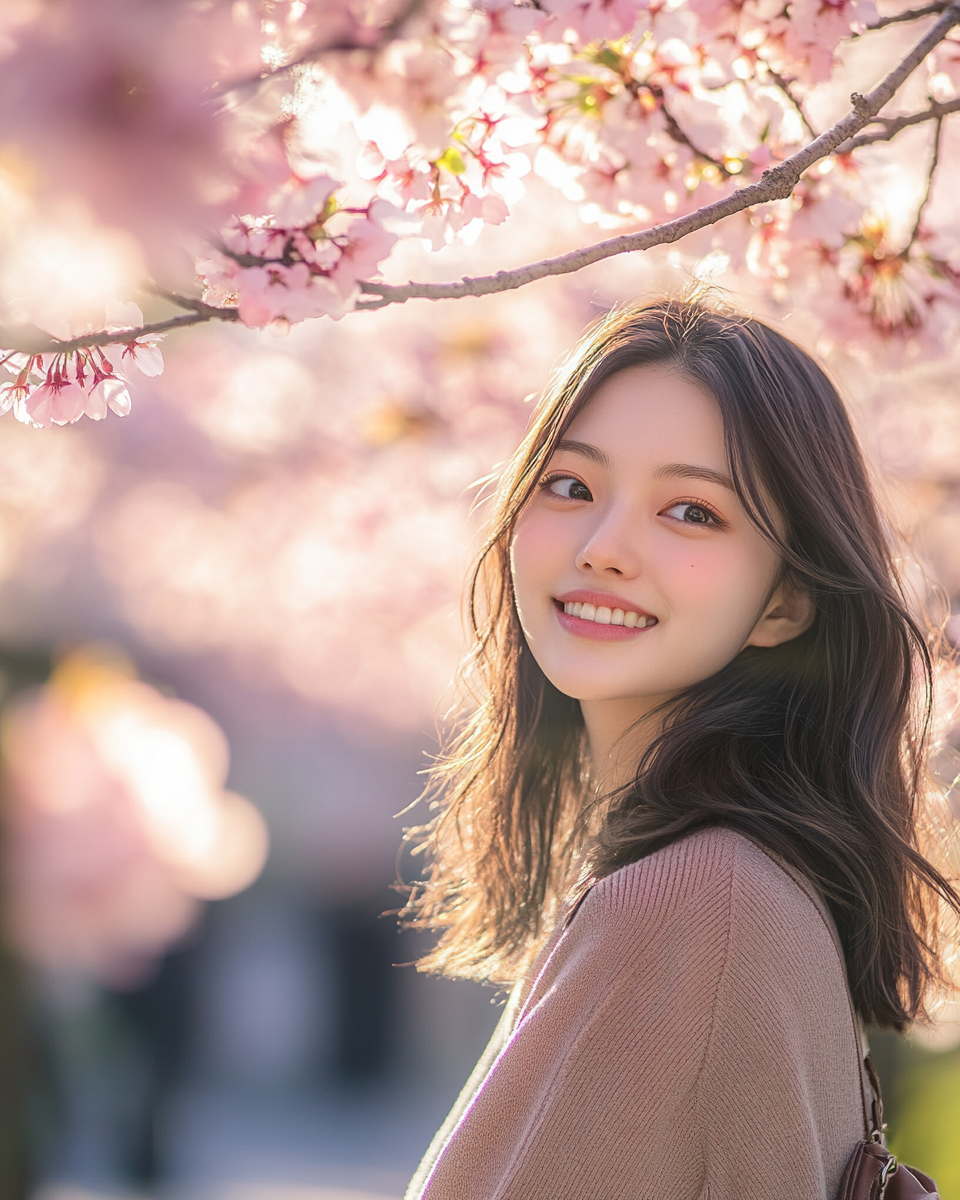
636	570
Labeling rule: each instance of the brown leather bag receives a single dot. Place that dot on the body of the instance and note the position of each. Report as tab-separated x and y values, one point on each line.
873	1173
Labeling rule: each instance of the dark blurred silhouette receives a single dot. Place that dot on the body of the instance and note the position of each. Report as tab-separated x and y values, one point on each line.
17	1075
365	947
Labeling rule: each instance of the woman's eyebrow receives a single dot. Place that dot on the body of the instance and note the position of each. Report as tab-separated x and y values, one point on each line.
666	471
692	471
594	453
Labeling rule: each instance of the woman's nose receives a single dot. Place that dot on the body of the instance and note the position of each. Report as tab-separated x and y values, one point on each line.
613	546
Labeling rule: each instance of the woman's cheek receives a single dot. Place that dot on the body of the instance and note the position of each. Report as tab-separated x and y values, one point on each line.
700	565
538	547
531	555
715	587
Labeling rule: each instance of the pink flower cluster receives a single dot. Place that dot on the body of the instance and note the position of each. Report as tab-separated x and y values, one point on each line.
471	183
60	388
798	39
294	264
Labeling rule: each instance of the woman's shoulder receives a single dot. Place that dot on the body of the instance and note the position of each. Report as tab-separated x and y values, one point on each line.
713	881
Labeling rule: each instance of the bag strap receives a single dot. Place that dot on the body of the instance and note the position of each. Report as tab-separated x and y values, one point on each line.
877	1104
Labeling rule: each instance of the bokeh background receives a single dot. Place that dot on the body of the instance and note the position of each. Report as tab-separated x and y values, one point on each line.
255	577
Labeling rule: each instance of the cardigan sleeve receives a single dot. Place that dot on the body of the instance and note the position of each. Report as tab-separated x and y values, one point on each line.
684	1040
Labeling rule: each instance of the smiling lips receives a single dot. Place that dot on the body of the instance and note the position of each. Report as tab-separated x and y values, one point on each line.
600	617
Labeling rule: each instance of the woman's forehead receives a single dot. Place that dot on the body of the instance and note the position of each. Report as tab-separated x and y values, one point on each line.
650	411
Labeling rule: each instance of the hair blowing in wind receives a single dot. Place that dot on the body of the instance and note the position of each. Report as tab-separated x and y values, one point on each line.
815	748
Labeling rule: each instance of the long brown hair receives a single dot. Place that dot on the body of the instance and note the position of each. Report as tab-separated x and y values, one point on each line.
815	747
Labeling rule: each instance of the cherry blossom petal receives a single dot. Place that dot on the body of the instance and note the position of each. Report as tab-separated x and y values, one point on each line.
117	396
145	356
49	404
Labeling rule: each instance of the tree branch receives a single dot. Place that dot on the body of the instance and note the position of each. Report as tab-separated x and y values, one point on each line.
385	34
211	311
931	171
909	14
784	87
676	131
893	125
775	184
13	338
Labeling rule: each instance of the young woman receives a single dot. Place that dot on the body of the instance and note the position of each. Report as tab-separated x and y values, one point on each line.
683	814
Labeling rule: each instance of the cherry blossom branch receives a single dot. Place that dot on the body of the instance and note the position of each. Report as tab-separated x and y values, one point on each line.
676	131
909	14
191	303
31	340
893	125
931	171
775	184
784	86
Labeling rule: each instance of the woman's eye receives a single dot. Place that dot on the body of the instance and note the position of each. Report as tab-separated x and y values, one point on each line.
568	488
692	514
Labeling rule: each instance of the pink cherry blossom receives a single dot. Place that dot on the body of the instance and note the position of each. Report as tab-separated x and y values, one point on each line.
60	388
278	292
365	244
55	403
299	202
144	354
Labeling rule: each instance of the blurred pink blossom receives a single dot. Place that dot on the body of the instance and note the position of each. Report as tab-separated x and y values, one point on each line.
116	822
112	103
364	245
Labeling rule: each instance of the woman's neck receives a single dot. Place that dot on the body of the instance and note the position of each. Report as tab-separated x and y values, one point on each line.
618	733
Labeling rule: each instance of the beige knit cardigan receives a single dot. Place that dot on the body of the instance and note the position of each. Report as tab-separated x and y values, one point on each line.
688	1036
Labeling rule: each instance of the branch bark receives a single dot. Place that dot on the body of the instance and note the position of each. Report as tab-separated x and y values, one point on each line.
893	125
909	14
784	86
931	171
777	183
37	342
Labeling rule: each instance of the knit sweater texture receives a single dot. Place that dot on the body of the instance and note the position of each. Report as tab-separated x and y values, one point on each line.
687	1036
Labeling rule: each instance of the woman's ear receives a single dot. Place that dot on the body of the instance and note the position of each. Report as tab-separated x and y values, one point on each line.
789	612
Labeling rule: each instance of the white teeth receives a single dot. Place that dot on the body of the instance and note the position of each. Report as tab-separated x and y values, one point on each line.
602	615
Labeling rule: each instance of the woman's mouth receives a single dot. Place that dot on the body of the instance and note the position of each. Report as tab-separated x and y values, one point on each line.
601	622
601	615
